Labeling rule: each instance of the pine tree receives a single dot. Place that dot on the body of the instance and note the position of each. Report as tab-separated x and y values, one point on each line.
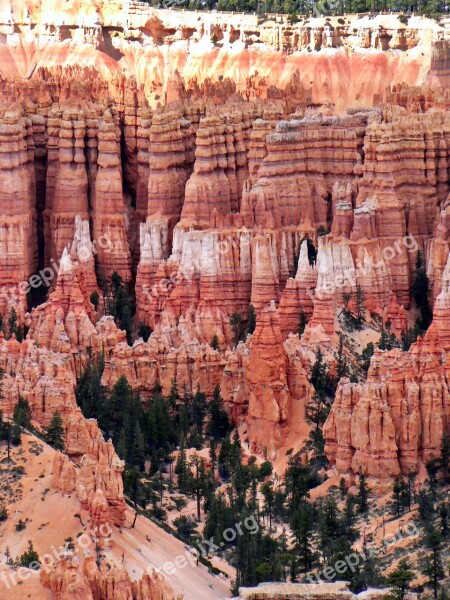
399	580
365	356
363	494
137	452
90	393
218	424
122	445
251	326
360	310
126	324
30	558
420	292
434	568
301	322
401	496
182	471
342	369
302	528
22	413
54	433
94	299
144	331
237	327
13	322
215	342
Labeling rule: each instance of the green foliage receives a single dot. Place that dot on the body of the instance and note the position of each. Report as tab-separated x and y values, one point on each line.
401	494
12	322
322	231
185	527
363	494
251	324
409	337
420	292
54	433
215	343
94	299
265	469
434	568
365	356
3	512
218	424
144	331
89	391
387	338
20	525
237	327
30	558
399	580
301	322
120	304
22	413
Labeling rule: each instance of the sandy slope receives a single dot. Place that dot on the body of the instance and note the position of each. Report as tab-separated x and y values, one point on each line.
50	520
148	546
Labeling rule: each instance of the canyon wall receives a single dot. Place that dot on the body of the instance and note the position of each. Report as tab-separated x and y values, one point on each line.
217	162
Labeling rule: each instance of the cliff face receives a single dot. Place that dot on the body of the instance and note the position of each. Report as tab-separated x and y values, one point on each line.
225	167
172	53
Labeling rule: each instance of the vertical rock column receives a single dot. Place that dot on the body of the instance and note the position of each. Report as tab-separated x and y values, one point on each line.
17	210
110	227
71	183
208	188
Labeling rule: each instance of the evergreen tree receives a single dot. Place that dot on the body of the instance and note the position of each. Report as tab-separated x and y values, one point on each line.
22	413
399	580
182	471
251	325
360	310
185	527
144	331
122	445
301	322
363	494
54	433
401	496
118	407
137	452
387	338
218	425
13	325
420	292
434	568
342	369
409	337
237	327
89	391
302	528
126	324
365	356
215	343
30	558
94	299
